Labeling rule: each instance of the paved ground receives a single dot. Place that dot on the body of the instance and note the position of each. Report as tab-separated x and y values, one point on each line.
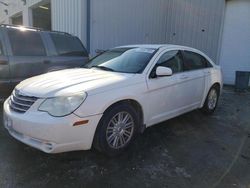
190	151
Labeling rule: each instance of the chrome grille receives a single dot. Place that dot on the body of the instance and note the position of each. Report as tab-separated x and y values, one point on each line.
20	103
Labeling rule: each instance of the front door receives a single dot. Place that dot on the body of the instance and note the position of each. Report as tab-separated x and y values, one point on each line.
166	92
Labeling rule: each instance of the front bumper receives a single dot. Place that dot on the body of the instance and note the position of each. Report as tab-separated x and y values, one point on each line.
50	134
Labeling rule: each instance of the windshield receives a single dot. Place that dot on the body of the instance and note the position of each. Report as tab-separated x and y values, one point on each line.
125	60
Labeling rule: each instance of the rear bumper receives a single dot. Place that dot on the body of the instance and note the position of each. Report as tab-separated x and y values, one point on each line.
50	134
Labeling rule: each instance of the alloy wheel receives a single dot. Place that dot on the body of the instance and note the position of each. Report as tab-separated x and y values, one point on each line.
120	130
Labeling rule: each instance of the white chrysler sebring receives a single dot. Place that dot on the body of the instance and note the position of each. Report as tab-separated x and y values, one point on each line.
111	99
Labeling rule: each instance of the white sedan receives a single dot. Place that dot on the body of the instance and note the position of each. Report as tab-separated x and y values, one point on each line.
110	100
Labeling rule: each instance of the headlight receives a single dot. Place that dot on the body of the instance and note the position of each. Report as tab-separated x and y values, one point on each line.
62	106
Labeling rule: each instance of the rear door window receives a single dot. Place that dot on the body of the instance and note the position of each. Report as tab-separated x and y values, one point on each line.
26	43
67	45
194	61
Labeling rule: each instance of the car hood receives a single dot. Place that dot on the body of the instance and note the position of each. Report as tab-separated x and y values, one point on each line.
72	81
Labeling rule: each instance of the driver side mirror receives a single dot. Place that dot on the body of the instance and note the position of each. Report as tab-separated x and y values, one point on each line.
163	71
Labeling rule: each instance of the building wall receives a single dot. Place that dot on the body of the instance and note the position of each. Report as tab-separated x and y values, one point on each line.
67	15
70	16
122	22
195	23
235	53
2	14
16	7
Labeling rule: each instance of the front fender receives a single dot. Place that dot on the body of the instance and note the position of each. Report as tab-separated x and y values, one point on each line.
98	103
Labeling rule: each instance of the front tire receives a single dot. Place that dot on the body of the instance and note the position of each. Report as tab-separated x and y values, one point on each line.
211	102
116	130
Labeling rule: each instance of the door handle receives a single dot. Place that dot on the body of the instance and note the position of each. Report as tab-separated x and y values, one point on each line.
46	62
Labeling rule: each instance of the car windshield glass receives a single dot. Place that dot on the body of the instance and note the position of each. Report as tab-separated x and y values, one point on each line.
125	60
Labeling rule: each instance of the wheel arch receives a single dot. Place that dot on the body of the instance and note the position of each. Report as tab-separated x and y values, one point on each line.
136	105
217	85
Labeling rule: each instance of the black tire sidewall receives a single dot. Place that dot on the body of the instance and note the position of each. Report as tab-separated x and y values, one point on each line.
100	141
205	108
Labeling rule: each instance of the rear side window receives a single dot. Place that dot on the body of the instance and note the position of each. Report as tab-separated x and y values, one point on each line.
67	45
26	43
194	61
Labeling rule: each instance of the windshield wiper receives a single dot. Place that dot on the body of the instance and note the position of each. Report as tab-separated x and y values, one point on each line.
103	68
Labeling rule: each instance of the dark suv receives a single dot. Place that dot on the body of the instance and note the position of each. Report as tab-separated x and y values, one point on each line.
26	52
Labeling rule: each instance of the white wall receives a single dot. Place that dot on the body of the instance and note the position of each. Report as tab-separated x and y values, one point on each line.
235	52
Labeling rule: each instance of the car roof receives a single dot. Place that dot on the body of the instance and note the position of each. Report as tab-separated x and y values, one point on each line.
166	47
153	46
20	28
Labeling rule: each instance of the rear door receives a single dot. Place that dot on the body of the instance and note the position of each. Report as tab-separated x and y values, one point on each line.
66	51
193	77
5	87
28	54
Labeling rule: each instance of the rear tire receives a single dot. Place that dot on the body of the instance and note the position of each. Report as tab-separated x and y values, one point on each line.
211	102
116	129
